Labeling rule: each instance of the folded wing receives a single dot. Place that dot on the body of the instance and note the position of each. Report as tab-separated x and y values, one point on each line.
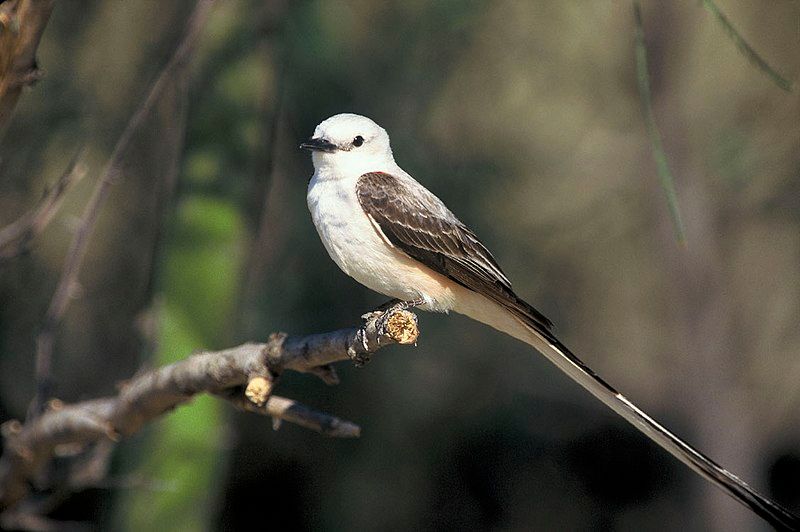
418	223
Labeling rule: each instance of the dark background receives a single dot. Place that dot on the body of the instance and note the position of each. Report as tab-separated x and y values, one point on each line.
524	117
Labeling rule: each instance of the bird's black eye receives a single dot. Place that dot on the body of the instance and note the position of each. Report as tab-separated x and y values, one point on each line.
358	141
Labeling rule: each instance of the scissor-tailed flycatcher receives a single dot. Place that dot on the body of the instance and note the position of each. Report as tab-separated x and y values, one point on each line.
392	235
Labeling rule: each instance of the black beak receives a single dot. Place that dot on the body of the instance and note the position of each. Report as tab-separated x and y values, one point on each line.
319	144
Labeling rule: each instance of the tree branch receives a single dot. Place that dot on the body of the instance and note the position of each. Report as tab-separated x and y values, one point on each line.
15	237
243	375
113	171
22	23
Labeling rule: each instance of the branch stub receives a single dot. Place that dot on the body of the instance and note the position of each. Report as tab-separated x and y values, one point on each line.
401	326
258	390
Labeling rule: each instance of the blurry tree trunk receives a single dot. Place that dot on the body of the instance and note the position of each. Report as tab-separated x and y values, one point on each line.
22	23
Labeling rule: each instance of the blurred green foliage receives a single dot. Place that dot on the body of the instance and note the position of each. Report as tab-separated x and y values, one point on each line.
202	262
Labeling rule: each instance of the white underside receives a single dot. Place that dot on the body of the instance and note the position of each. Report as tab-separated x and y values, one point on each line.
360	250
357	246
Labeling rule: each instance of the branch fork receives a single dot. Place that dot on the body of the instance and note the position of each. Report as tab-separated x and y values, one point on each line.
245	376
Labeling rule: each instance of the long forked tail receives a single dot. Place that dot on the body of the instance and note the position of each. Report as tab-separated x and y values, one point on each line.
773	513
557	353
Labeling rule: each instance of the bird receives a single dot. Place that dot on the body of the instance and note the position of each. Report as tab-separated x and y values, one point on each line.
391	234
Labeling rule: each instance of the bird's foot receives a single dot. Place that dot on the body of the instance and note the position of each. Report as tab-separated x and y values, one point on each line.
386	306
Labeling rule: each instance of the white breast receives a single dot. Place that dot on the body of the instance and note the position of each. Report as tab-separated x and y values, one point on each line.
358	248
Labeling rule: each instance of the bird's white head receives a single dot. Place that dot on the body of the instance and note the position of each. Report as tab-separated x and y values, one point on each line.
347	145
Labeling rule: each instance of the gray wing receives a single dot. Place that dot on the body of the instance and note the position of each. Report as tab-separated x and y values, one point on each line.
418	223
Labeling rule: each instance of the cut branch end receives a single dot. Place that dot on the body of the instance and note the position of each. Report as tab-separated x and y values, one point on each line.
401	326
258	390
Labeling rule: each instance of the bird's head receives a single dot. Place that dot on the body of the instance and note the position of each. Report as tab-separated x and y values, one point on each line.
349	144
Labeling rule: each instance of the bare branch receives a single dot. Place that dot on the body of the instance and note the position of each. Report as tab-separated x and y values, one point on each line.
226	374
745	48
77	250
22	23
660	157
15	237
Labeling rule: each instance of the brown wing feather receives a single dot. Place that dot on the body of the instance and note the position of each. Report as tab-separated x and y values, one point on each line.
419	224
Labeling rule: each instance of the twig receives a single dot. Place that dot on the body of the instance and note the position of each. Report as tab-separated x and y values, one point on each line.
148	396
22	23
267	186
662	166
263	248
747	50
113	170
15	237
37	523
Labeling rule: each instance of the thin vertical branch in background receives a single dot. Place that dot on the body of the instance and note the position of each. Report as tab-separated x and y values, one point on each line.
77	250
263	245
175	106
662	166
262	249
745	48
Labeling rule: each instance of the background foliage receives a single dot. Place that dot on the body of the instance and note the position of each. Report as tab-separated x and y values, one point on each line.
525	118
